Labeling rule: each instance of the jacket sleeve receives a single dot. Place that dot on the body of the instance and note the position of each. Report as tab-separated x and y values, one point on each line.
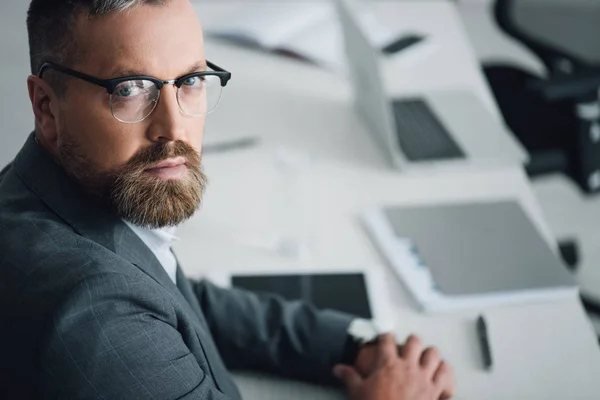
110	340
266	333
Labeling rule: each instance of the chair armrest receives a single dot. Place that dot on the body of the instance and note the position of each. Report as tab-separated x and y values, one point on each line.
570	87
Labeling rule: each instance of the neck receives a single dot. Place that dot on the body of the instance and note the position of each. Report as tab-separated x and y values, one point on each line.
42	141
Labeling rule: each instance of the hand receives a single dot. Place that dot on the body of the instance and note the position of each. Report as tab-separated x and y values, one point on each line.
416	375
366	362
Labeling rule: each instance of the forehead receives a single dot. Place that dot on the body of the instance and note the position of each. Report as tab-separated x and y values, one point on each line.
162	41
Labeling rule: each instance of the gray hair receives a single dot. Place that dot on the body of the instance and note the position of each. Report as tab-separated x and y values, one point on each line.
50	23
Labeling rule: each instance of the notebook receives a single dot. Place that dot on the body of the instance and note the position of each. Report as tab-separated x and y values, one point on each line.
308	30
468	255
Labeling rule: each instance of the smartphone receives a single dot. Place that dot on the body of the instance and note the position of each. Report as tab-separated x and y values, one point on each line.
402	43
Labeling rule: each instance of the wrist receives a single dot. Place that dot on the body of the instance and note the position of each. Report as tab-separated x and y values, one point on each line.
360	335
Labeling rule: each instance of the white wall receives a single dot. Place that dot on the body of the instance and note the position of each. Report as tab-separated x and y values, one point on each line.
15	109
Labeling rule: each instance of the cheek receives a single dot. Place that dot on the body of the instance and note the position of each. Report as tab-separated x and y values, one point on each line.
103	141
196	132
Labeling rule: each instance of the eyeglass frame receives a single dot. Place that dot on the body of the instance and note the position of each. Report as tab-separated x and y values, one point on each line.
111	84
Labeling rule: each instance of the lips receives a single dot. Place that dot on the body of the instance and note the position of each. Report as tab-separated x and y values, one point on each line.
169	163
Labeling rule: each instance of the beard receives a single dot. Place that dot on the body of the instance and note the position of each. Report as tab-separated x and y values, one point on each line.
134	194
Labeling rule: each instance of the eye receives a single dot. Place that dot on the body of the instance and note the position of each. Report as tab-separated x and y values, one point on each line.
125	91
193	81
132	88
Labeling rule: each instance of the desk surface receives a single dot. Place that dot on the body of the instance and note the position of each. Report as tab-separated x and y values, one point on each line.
542	351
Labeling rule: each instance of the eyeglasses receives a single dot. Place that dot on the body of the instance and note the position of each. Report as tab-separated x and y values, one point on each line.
134	98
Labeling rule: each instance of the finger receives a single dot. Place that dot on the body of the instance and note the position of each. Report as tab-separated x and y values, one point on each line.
447	394
430	361
444	380
450	390
412	349
348	375
386	348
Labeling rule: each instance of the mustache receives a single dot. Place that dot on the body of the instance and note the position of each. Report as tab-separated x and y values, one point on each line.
162	151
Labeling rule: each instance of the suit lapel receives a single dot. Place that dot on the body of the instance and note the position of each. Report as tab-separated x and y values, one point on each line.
83	213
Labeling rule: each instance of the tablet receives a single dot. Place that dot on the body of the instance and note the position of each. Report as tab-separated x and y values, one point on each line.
359	292
340	292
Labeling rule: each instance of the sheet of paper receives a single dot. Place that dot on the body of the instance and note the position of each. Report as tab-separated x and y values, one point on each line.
269	24
309	29
322	42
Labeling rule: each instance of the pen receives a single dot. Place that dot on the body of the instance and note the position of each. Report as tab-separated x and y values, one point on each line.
482	335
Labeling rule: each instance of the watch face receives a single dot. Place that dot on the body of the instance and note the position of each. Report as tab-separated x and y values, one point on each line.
363	330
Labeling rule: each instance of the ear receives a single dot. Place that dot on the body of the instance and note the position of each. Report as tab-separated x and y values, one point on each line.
45	108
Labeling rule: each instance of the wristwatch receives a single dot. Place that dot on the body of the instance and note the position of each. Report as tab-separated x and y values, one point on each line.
360	332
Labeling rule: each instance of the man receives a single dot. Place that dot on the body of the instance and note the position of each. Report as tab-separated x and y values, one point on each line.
92	302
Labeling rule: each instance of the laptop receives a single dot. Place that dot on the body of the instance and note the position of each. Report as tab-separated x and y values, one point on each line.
447	127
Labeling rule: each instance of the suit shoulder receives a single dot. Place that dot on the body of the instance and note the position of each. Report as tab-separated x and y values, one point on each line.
45	257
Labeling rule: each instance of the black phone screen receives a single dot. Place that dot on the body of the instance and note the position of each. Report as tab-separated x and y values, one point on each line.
340	292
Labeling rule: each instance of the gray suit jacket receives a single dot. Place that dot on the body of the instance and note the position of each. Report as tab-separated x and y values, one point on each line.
88	312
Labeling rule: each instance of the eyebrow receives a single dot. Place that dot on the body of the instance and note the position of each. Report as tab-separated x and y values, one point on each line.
119	72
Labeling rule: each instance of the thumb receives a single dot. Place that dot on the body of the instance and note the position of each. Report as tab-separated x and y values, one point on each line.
348	375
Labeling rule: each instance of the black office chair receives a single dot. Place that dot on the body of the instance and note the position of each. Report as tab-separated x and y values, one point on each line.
557	117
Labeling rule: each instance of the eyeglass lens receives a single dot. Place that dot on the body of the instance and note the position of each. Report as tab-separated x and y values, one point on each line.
134	100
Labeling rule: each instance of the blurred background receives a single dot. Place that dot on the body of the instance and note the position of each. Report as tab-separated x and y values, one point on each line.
314	104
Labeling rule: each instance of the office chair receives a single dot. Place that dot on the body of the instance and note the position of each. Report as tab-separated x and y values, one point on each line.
557	117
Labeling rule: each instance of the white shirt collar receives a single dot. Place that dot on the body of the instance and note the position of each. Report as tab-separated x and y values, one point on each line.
159	241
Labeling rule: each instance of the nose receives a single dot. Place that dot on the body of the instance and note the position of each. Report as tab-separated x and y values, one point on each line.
167	120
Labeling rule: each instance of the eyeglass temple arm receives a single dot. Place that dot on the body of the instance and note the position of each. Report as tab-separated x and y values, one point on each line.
223	74
85	77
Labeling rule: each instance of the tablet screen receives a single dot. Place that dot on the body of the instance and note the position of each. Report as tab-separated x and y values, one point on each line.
341	292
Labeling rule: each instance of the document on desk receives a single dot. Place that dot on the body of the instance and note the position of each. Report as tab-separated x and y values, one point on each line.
310	30
262	387
469	255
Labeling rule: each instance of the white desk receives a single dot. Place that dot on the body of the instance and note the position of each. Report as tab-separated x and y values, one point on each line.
541	351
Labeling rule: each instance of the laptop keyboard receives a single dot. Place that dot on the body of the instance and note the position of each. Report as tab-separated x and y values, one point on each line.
421	135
